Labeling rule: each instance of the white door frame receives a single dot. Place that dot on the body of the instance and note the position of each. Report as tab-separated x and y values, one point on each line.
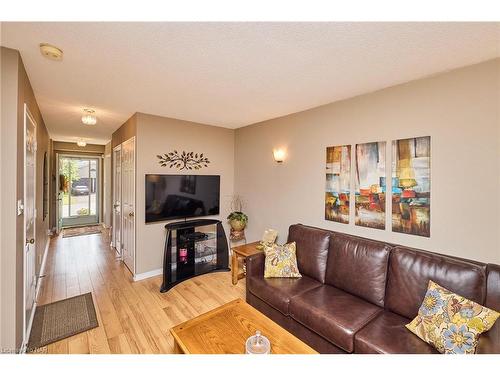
116	238
58	197
27	321
128	208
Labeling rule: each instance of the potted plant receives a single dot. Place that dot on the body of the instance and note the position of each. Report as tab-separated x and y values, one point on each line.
237	219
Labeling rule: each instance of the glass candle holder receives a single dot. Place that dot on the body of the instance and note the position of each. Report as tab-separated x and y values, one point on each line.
257	344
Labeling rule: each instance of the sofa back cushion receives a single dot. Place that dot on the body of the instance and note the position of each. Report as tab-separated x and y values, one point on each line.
493	287
358	266
312	250
410	271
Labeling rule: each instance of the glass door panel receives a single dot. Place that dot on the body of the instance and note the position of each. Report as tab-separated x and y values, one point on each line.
79	188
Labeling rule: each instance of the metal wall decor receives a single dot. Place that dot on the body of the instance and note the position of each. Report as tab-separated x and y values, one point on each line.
184	160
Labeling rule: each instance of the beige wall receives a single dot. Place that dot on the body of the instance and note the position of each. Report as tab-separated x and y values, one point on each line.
16	91
74	148
458	109
8	259
157	135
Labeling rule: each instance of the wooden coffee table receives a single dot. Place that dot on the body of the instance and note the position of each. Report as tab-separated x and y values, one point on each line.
241	252
225	330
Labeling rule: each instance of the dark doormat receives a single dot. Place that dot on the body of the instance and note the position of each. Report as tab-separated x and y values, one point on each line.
59	320
82	231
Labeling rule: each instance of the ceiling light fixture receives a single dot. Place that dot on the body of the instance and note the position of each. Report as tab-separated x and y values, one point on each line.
81	143
89	117
51	52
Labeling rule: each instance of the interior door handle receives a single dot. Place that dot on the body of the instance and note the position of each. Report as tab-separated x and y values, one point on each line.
30	241
131	214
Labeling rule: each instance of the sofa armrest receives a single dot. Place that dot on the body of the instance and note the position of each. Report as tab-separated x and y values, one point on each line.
255	265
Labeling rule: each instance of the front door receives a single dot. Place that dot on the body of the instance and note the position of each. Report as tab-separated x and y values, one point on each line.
79	190
128	203
29	268
117	199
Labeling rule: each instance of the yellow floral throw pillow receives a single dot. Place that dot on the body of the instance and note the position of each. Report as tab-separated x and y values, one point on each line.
281	261
449	322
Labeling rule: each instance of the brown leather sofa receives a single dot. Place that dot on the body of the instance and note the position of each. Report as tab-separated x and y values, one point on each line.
356	294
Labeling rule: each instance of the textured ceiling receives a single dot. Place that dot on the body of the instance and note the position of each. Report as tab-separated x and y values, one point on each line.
228	74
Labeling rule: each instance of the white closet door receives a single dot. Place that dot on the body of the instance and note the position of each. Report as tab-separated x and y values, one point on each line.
128	203
29	258
117	198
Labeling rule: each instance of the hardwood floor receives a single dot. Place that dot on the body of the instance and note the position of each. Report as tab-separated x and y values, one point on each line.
134	317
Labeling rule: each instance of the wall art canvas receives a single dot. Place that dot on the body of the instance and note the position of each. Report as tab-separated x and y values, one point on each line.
370	185
411	186
338	176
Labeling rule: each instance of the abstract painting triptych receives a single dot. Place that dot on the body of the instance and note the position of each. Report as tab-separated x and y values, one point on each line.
338	181
409	185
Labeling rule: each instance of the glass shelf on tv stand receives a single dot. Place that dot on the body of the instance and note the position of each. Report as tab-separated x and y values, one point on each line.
209	237
202	252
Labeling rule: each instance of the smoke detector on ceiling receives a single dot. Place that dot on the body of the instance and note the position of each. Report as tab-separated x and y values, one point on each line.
51	52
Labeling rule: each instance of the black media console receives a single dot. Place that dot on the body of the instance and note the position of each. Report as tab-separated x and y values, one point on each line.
192	248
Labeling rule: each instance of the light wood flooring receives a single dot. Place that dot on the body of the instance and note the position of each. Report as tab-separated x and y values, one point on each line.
134	317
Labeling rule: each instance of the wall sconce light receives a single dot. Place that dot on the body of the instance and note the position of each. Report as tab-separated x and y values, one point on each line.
279	155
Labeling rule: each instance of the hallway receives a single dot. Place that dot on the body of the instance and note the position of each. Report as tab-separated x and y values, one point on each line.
134	317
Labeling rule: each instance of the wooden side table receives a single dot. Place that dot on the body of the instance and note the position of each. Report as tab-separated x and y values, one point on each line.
241	252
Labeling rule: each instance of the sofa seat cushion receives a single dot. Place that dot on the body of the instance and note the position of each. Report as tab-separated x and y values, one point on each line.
334	314
387	334
277	292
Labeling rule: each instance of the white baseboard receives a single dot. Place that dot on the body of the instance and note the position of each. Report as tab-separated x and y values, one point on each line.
145	275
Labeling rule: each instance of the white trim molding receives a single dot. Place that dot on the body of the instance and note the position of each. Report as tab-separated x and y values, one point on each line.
148	274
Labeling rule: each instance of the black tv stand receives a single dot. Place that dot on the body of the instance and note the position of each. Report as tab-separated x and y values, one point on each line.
192	248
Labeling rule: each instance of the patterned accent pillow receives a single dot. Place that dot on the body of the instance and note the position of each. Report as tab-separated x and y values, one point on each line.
281	261
449	322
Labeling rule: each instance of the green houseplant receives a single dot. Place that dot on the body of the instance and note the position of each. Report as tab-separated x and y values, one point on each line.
238	220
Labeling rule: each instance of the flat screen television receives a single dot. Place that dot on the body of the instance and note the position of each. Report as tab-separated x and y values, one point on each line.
181	196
